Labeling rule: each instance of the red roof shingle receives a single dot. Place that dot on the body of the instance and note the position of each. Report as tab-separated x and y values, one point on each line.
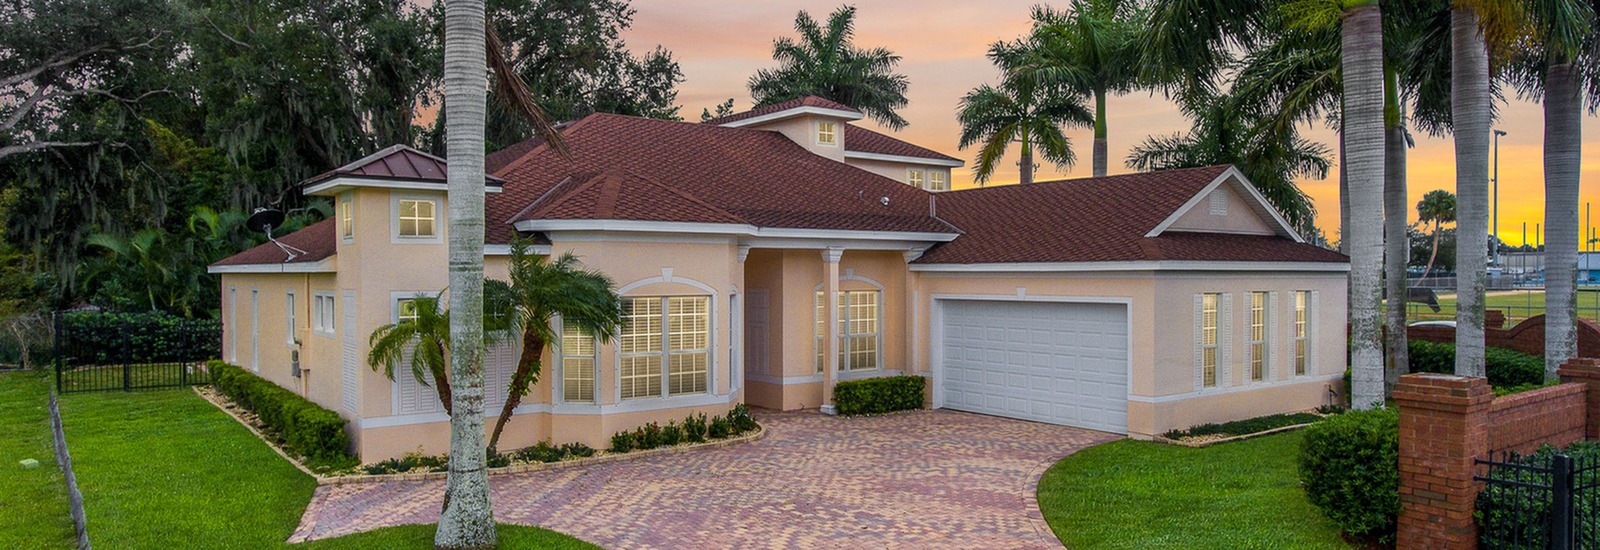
807	101
395	162
1097	220
867	141
319	240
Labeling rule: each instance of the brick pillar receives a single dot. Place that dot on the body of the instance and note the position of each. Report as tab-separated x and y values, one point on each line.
1494	318
1586	371
1444	425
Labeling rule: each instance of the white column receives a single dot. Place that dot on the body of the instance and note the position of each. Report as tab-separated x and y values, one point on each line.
830	340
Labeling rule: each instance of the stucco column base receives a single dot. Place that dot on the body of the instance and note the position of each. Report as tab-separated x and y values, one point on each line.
829	410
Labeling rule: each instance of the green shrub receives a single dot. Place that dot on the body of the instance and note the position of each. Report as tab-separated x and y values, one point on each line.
98	338
648	436
408	462
1505	368
694	428
1246	426
741	419
1507	514
1349	466
719	428
878	395
545	452
622	442
671	434
299	425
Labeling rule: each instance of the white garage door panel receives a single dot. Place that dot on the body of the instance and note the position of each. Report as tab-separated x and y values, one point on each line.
1062	363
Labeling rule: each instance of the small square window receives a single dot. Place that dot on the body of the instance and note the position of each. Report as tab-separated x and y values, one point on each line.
914	178
827	133
936	181
416	218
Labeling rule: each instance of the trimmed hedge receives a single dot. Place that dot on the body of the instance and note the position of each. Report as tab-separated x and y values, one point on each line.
301	426
1507	514
696	428
870	396
98	338
1245	427
1350	468
1505	368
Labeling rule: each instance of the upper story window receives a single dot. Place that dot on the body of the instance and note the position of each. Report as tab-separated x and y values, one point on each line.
405	310
827	133
914	178
417	218
937	181
672	332
347	218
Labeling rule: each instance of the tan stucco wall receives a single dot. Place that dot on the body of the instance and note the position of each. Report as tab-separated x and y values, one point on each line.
1239	217
897	171
803	130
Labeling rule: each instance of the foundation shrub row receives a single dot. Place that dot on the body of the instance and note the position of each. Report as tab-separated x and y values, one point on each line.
695	428
298	425
871	396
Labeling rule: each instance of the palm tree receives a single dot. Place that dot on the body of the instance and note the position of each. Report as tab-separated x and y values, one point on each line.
424	334
1090	50
468	518
1020	110
825	63
542	289
1438	207
1223	133
1547	66
1363	100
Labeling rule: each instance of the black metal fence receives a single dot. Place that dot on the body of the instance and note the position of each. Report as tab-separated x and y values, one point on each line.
1544	501
98	351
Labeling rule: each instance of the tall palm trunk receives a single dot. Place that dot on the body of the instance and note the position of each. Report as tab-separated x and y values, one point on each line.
1396	234
1100	133
1563	125
527	369
1469	108
1025	163
1437	228
468	519
1344	193
1362	51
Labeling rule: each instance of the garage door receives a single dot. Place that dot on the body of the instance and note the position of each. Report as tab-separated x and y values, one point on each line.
1061	363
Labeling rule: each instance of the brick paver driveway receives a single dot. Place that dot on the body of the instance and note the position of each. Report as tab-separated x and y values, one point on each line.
927	479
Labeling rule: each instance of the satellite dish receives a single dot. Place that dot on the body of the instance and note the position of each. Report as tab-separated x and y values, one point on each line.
264	220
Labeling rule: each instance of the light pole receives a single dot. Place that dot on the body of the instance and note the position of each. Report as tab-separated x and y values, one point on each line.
1496	231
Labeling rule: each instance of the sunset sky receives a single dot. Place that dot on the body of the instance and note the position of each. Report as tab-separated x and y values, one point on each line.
720	43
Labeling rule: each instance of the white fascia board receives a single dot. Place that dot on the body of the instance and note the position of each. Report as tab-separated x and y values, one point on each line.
341	184
1078	267
734	229
790	113
1261	205
322	266
903	159
505	249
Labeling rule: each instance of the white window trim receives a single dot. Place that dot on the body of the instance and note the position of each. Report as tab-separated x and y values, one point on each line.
289	314
818	339
816	133
1200	343
233	325
394	218
255	329
319	326
1310	337
347	205
944	184
1265	341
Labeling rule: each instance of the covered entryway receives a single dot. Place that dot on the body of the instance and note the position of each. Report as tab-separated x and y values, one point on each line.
1057	362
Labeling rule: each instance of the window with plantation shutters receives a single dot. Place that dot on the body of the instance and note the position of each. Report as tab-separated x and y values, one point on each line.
665	346
859	329
1302	331
1259	330
1209	350
577	365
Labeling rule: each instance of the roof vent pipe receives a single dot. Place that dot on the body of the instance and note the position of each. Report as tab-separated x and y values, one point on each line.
933	205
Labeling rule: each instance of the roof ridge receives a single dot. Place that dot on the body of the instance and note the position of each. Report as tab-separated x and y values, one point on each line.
1085	179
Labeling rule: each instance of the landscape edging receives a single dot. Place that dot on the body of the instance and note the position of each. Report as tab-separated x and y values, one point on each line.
1210	442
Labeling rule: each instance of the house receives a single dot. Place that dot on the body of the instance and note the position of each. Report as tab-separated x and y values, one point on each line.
766	256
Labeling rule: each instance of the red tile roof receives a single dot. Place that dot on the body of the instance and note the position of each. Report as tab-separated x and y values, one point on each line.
1097	220
682	172
867	141
807	101
394	162
319	240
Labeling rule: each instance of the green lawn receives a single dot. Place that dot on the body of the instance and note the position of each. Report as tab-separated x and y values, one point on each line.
1517	305
33	503
1140	494
161	467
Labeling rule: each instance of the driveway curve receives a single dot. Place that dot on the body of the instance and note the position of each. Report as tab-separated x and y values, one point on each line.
924	479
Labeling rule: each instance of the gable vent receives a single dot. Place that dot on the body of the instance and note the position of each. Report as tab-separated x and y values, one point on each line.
1219	202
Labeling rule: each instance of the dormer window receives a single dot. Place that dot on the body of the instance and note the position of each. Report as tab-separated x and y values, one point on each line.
827	133
414	218
347	218
914	178
936	181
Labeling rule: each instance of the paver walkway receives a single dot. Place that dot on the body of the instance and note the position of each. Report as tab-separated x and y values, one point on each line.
926	479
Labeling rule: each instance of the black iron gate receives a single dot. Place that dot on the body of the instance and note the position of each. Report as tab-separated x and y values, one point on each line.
1543	501
98	351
